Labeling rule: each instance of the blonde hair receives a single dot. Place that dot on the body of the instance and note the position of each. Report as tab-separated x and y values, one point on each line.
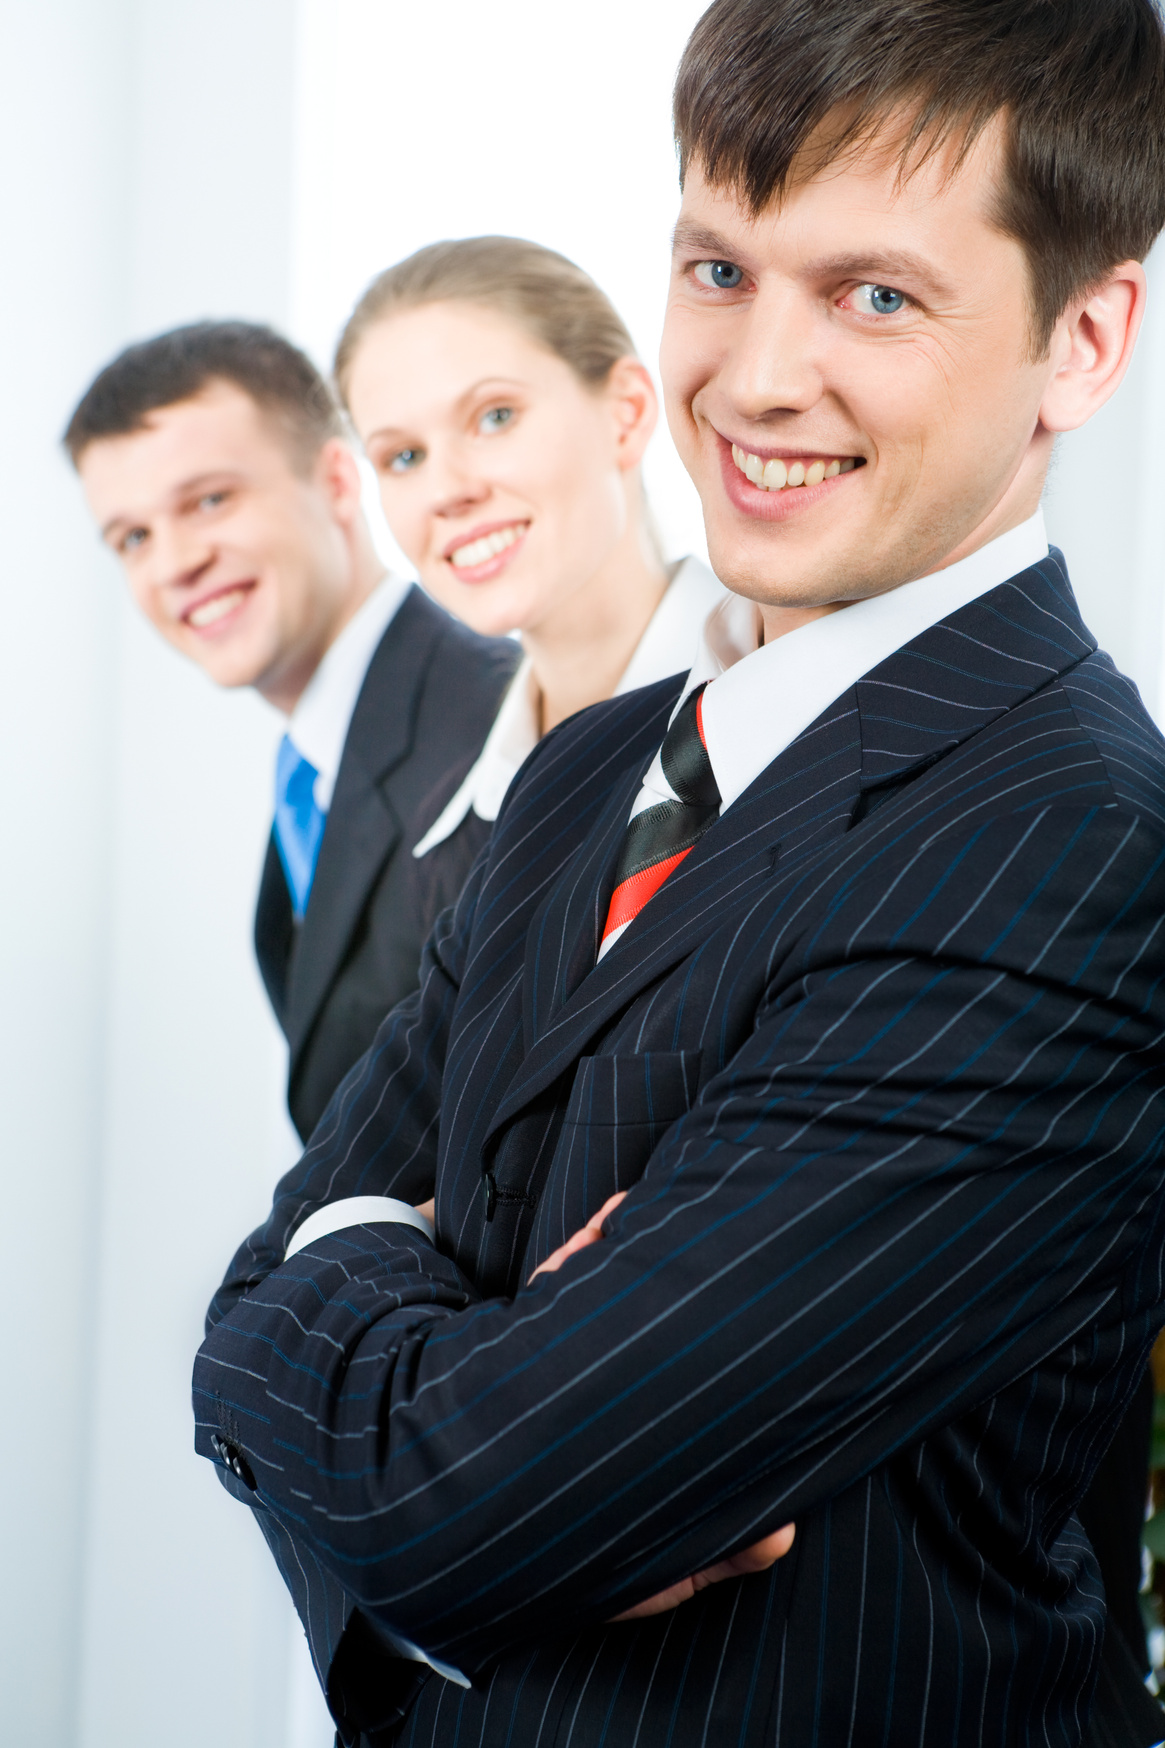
544	293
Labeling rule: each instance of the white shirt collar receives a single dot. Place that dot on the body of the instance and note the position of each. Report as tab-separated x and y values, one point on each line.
318	726
760	699
665	648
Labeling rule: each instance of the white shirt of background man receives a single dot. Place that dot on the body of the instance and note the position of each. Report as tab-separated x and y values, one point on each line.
318	726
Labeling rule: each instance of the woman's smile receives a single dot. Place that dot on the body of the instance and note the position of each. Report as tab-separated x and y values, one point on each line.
485	550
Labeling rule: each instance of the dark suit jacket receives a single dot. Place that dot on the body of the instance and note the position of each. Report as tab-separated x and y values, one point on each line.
882	1067
427	703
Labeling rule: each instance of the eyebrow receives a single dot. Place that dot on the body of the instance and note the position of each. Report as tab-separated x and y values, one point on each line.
689	238
888	265
465	399
182	490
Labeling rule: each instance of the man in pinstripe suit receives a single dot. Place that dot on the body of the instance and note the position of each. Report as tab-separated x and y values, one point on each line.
791	1076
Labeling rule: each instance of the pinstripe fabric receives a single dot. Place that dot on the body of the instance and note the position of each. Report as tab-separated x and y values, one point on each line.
882	1069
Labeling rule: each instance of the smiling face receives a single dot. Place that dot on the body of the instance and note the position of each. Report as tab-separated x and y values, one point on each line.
848	377
240	557
504	478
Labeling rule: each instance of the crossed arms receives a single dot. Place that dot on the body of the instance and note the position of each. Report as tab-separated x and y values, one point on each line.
914	1183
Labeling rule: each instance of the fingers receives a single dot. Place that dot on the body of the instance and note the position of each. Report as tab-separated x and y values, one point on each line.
758	1558
766	1552
588	1234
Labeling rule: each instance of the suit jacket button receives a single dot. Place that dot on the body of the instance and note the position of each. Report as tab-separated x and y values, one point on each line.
235	1461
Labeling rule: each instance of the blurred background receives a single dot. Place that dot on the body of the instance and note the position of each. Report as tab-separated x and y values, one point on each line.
162	160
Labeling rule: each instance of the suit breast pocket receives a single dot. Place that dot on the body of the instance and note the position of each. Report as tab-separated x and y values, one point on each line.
619	1108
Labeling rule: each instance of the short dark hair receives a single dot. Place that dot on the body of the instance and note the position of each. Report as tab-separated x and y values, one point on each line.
1079	86
175	366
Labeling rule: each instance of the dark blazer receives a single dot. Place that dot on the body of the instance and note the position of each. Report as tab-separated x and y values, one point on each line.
427	703
882	1067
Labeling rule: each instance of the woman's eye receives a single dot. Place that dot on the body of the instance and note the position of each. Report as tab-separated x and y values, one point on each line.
211	500
405	459
718	275
131	541
878	300
495	419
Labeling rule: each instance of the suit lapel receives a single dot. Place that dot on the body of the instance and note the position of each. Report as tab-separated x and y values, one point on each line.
806	796
363	828
925	699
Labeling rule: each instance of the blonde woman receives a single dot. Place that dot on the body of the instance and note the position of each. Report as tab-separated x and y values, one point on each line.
499	399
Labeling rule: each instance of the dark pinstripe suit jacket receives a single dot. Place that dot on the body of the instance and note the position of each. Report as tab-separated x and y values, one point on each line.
882	1068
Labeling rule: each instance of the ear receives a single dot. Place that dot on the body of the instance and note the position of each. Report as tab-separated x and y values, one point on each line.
1092	344
631	396
338	476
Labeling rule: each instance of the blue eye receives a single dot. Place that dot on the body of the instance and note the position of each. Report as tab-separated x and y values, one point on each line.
404	459
495	419
718	275
879	300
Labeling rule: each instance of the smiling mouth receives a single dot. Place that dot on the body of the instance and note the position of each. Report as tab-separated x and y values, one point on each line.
776	475
486	547
216	607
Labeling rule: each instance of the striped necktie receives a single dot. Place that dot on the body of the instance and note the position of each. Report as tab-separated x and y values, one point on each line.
661	836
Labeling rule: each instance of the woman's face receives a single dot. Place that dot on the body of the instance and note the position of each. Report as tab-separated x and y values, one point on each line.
503	478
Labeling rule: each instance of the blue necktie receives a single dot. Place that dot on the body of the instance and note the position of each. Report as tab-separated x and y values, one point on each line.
299	823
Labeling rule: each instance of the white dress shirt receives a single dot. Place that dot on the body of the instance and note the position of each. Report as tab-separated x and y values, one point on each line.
761	696
665	648
318	726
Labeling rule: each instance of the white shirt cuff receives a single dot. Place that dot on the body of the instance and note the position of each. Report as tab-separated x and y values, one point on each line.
356	1211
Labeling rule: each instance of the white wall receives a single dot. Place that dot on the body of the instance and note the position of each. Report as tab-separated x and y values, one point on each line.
162	160
145	178
522	118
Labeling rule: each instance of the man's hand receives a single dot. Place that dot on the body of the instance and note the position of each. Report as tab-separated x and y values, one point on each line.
588	1234
428	1210
759	1557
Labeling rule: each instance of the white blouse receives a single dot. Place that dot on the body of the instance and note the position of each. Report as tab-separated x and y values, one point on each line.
667	646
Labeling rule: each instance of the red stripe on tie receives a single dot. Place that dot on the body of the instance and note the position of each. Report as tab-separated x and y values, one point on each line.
629	898
700	723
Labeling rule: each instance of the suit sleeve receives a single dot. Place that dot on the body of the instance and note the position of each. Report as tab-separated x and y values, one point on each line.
378	1136
918	1179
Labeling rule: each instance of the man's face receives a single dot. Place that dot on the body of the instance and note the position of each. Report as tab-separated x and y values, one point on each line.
232	551
869	330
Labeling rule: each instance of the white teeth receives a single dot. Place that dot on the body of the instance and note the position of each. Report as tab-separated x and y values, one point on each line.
209	612
489	545
774	475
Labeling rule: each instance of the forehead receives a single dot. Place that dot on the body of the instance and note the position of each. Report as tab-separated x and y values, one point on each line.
427	360
941	202
219	430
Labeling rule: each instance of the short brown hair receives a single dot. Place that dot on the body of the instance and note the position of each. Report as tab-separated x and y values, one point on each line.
1079	85
555	301
178	365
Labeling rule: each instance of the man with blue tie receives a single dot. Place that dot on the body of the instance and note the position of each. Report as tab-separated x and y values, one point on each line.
215	463
778	1137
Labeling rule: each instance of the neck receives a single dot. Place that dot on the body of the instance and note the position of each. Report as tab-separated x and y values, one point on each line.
579	652
285	685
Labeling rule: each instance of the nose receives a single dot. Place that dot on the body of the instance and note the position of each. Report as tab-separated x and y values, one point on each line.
179	555
455	484
773	365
